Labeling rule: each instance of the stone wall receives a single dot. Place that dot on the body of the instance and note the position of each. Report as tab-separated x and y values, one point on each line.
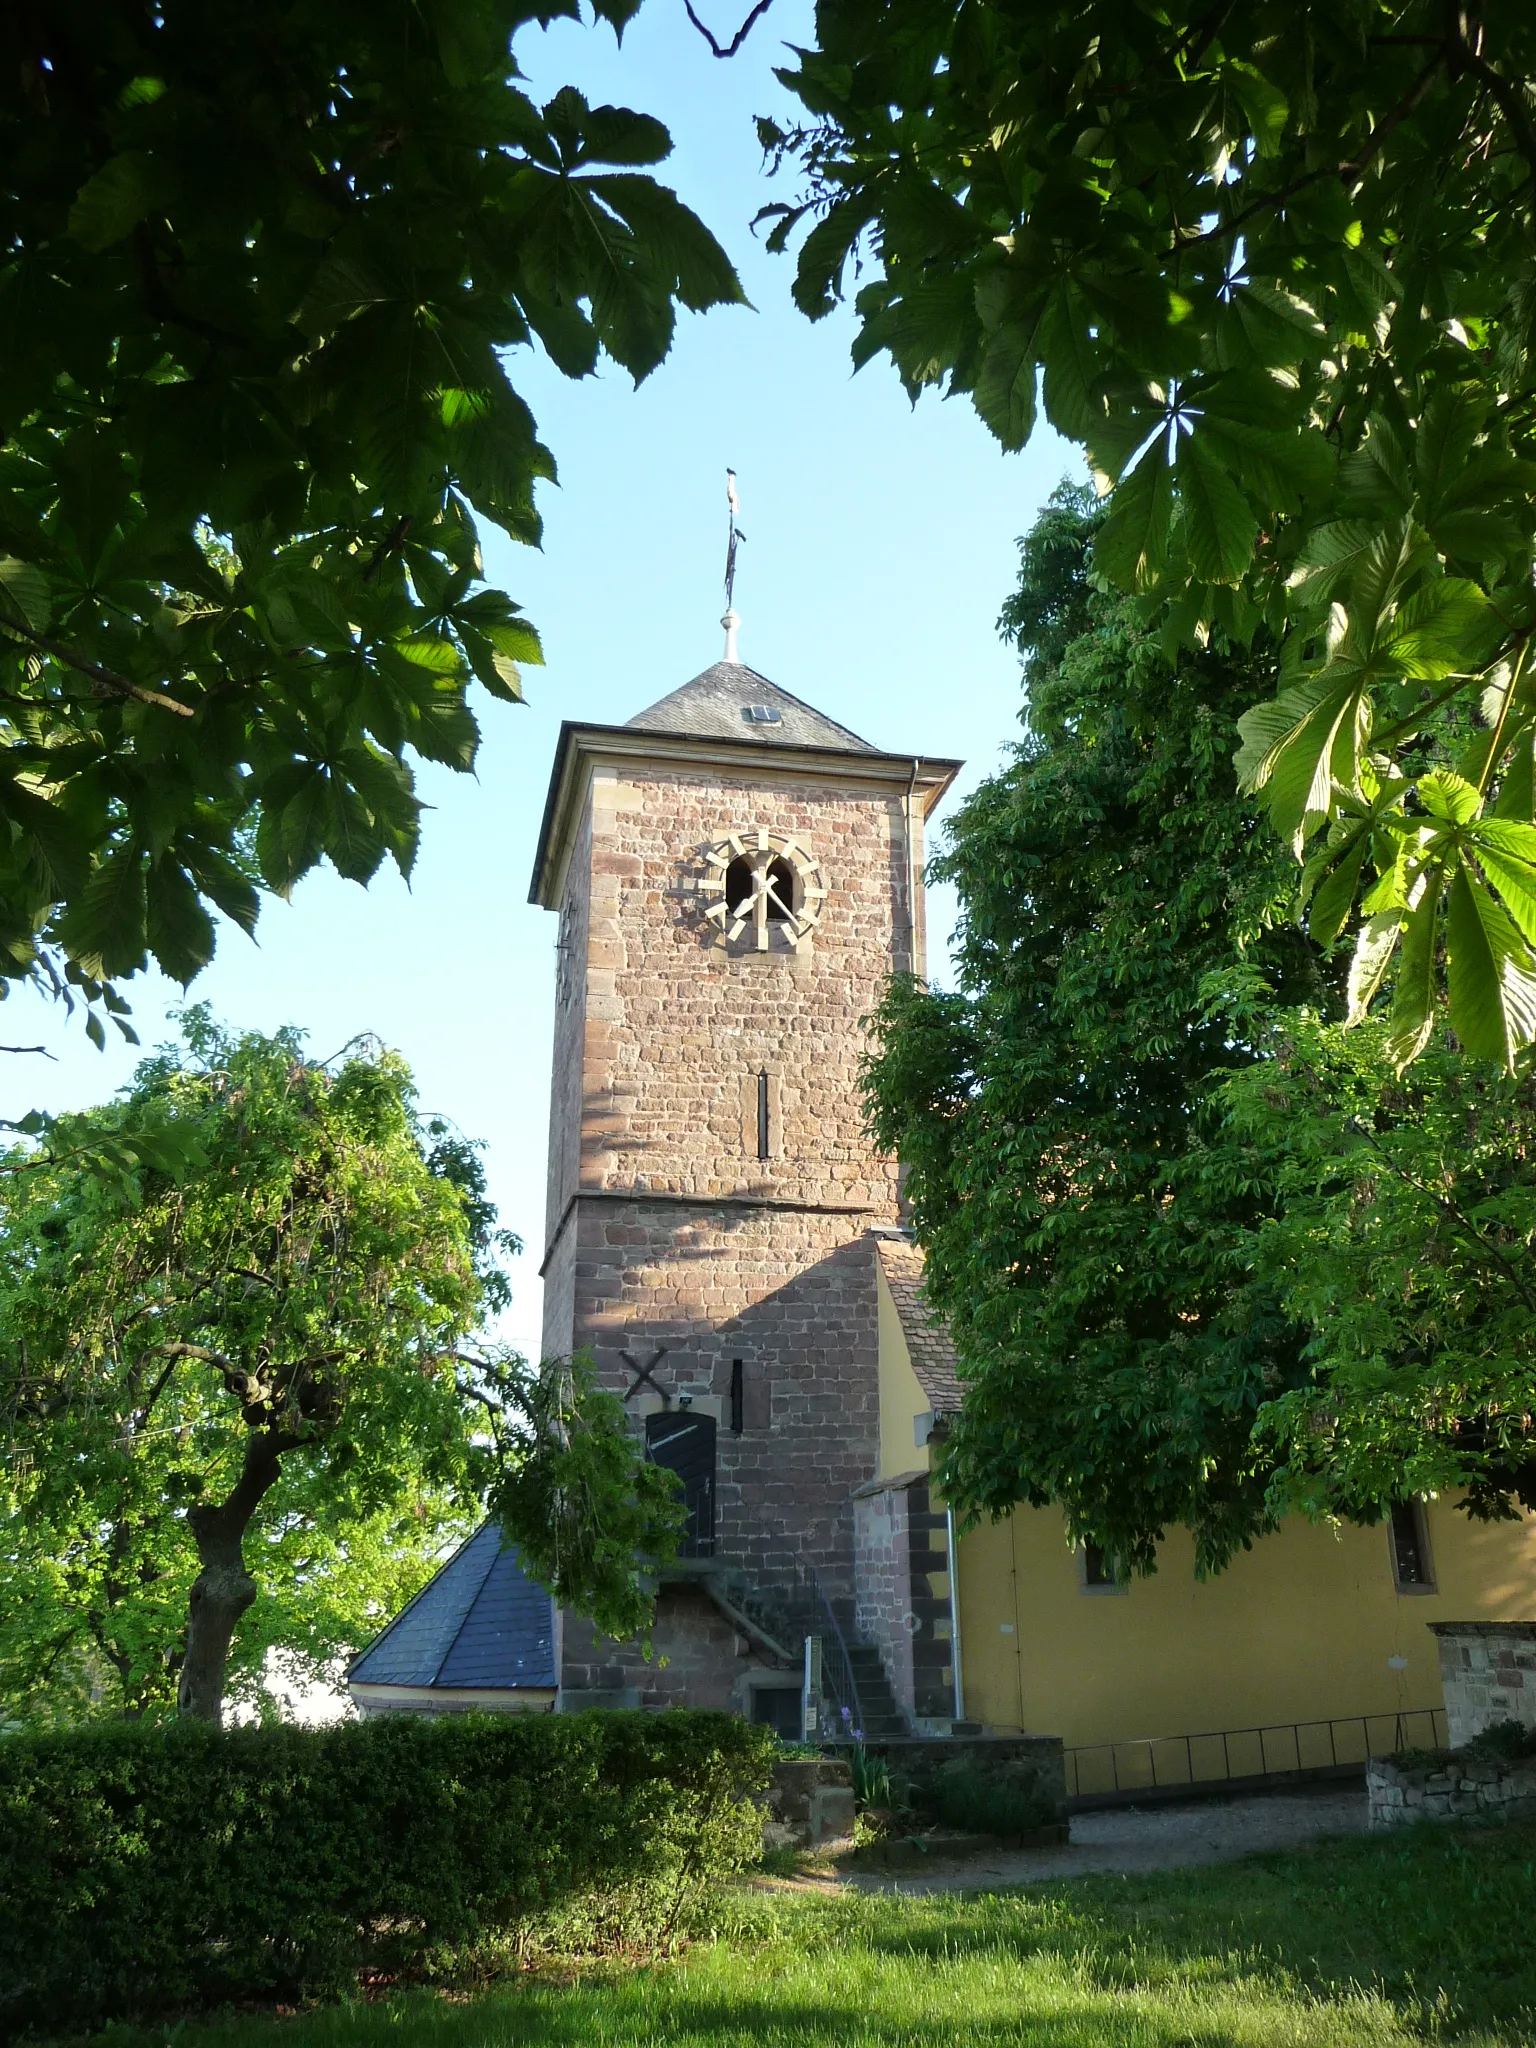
565	1097
883	1580
1449	1787
933	1673
697	1660
1488	1675
793	1297
681	1240
675	1017
810	1804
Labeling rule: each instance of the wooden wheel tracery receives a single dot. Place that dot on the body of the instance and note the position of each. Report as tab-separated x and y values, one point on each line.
758	883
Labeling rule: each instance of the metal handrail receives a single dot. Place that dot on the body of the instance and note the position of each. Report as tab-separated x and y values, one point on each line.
1149	1746
837	1671
810	1597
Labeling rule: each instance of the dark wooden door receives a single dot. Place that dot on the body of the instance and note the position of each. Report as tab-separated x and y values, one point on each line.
685	1444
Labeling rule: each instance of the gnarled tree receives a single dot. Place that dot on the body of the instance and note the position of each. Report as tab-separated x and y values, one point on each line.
256	1391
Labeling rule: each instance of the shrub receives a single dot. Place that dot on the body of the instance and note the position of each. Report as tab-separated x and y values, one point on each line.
146	1867
871	1779
983	1802
1506	1742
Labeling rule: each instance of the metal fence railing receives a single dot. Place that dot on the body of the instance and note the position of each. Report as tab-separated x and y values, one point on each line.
1165	1762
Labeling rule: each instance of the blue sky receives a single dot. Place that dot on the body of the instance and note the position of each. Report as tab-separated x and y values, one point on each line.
881	542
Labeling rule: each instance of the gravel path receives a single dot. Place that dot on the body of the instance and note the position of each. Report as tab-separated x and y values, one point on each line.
1135	1838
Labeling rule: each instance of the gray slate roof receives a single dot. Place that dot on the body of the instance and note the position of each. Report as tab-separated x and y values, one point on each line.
713	706
929	1343
480	1622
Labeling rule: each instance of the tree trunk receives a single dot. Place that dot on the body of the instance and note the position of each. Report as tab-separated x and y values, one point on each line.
223	1589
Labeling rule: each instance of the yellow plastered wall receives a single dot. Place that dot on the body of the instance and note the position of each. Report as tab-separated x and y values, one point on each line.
1304	1627
902	1399
1308	1626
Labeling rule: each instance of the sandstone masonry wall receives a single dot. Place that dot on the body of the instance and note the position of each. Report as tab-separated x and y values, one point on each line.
1449	1788
566	1094
681	1236
697	1658
883	1569
1488	1675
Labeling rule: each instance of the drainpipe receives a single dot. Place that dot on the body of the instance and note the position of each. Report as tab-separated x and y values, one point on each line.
954	1614
911	872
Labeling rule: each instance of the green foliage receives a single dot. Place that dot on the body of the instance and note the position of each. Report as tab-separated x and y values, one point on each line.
296	1298
1084	1210
1401	1244
1384	1941
256	298
1207	1255
871	1778
1275	270
149	1868
591	1517
265	1367
979	1802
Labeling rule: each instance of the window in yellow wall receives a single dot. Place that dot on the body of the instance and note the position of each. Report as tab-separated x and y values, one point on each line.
1101	1572
1411	1565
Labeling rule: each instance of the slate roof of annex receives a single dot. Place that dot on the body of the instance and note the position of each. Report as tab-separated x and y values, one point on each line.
714	706
929	1344
480	1622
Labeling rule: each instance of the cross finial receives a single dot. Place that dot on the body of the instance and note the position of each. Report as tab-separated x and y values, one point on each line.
734	538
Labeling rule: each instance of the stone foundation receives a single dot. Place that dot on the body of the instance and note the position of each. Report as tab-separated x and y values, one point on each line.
1488	1674
697	1660
1449	1787
810	1804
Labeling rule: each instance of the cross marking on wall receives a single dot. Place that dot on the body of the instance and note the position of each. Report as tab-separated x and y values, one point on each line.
642	1374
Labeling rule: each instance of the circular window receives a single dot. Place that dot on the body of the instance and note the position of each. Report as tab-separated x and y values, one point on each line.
762	890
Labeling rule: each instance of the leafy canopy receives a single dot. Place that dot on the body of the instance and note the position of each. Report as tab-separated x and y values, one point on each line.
252	1399
1401	1243
1083	1210
1272	267
1206	1257
259	282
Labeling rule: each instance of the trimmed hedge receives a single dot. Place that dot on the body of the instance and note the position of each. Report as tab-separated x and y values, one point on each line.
147	1868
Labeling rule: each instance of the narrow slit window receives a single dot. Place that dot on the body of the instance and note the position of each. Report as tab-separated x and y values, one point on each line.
1410	1548
738	1397
763	1133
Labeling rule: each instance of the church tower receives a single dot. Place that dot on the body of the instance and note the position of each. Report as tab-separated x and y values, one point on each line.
736	877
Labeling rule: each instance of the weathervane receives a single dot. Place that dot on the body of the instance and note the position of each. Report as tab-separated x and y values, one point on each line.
734	538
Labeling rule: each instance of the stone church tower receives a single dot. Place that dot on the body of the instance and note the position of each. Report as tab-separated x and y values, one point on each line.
736	876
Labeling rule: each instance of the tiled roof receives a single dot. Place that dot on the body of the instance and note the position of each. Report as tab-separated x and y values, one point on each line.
716	705
481	1622
928	1340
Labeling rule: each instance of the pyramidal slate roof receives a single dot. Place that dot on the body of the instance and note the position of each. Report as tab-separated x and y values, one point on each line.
718	705
480	1622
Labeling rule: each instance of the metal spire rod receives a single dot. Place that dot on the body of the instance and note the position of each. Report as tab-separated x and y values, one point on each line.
734	538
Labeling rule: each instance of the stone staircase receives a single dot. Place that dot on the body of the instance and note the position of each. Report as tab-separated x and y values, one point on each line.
779	1618
882	1716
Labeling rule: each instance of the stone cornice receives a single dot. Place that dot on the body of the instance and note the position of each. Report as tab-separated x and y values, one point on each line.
656	1199
581	748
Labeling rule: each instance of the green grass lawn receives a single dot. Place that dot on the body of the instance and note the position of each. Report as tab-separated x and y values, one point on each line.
1430	1935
